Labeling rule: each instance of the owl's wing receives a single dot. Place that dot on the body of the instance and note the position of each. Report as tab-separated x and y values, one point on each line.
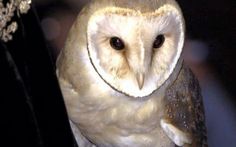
183	120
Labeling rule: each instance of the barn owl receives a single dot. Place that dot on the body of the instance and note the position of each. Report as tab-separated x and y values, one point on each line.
123	78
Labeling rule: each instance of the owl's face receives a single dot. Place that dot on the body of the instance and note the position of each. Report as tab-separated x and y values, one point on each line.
135	52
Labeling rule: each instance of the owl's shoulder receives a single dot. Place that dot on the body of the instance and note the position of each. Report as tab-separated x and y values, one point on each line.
184	107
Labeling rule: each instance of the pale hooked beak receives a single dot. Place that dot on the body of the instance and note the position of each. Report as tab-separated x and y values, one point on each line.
140	79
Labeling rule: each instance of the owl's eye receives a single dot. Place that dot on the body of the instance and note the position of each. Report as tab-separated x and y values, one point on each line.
160	39
117	43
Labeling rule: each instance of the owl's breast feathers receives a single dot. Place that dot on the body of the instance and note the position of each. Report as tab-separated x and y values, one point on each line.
184	108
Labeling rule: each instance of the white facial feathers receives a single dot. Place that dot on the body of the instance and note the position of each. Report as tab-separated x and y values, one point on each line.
138	69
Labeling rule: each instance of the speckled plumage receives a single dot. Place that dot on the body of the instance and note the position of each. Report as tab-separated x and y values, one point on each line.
105	102
184	107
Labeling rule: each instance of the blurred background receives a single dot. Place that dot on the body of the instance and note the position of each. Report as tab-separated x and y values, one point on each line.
210	51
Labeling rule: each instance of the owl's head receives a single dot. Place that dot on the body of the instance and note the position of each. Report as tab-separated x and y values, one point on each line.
134	46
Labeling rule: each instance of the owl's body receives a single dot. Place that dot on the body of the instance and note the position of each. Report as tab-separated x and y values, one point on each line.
123	90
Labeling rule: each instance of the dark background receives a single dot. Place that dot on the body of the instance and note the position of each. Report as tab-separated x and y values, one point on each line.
209	51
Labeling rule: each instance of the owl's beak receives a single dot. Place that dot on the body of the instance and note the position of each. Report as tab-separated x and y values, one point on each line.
140	79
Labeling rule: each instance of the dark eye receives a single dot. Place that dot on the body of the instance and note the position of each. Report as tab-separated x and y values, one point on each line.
117	43
160	39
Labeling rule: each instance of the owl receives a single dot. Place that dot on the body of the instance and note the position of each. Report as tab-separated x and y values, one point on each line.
123	77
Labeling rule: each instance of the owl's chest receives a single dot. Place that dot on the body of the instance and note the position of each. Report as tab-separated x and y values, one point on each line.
115	120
